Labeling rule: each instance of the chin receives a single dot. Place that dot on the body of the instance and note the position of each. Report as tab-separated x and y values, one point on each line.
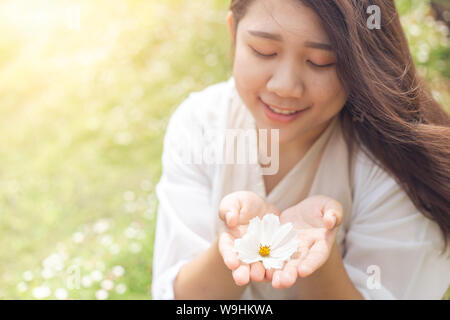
285	134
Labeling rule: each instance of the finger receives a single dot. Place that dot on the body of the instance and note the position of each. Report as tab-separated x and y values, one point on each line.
232	218
315	258
229	208
226	249
272	209
334	209
329	219
289	273
276	279
269	275
257	271
241	275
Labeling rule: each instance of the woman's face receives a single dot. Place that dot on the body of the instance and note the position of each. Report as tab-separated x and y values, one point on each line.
298	74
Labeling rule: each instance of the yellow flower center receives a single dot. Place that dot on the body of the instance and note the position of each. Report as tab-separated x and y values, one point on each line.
264	250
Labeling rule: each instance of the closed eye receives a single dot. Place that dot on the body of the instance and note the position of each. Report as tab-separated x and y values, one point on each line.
320	65
309	61
263	55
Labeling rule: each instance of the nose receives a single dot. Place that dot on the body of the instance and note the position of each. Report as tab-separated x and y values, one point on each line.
287	82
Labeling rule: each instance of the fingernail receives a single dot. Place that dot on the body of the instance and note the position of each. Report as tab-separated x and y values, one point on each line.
329	212
304	270
228	216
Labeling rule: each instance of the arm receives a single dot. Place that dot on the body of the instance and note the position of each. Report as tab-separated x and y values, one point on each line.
207	277
186	220
317	268
389	234
331	281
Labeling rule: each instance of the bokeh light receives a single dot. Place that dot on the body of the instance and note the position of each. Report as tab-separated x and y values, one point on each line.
86	91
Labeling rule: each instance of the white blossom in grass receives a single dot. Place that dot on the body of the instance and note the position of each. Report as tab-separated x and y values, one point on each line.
28	275
41	292
96	275
131	232
47	273
267	241
78	237
107	284
101	294
86	281
55	261
22	286
146	185
61	294
135	247
114	248
130	207
101	226
118	271
106	240
121	288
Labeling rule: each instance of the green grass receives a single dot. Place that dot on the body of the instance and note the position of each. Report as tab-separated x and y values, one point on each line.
82	118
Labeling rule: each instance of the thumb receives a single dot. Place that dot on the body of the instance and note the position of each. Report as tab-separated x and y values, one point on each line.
333	214
229	210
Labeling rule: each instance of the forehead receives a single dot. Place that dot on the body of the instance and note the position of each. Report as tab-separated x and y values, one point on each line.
290	19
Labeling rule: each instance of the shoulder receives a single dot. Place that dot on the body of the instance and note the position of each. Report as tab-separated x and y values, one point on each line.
368	174
380	204
204	107
377	192
195	127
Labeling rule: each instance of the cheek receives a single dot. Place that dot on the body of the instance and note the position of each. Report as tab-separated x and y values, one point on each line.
245	68
248	77
327	93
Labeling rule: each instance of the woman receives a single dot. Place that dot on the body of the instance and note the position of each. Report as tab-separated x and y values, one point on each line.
358	133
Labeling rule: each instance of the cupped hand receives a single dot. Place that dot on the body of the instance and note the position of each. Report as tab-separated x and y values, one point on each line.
236	210
316	220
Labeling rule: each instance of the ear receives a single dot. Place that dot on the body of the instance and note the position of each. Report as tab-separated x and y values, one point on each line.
230	21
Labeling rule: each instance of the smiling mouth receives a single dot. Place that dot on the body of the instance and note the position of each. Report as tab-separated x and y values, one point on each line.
282	111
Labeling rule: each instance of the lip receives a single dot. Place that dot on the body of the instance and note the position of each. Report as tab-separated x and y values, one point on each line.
281	117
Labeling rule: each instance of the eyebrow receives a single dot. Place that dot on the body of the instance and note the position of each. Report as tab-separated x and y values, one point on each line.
277	37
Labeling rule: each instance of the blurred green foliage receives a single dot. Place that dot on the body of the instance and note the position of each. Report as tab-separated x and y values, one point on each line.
86	90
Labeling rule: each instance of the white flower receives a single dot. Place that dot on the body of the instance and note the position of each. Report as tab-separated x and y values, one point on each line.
121	288
86	281
41	292
101	226
96	275
107	284
61	294
268	242
101	294
118	271
28	275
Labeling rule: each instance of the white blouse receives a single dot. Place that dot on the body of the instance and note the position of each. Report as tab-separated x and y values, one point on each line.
390	250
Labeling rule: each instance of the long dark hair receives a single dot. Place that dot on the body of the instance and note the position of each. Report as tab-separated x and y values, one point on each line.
390	110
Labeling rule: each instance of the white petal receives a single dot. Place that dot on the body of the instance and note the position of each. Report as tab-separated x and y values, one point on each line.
282	235
247	249
289	247
254	227
250	260
270	224
274	263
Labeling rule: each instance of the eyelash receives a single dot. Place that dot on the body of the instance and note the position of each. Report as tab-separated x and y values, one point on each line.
267	56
